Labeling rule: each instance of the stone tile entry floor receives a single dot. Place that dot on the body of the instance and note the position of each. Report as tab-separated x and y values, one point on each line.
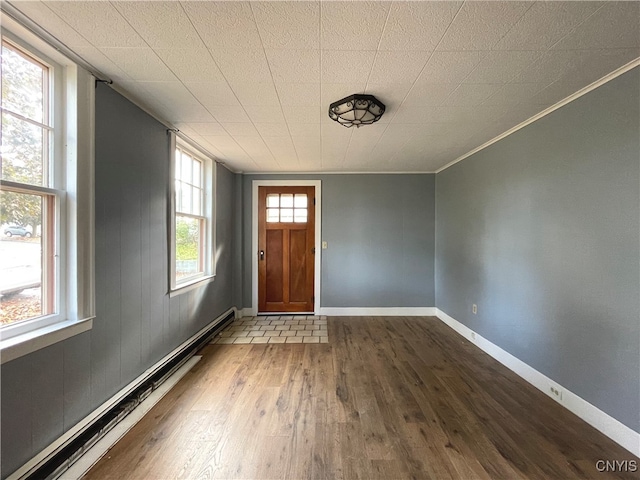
275	329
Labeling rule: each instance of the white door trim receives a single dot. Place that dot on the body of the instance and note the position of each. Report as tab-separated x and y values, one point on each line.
254	236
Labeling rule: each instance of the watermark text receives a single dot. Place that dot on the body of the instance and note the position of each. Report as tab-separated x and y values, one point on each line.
617	465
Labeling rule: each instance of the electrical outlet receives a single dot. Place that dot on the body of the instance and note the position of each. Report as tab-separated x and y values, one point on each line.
555	392
474	309
325	245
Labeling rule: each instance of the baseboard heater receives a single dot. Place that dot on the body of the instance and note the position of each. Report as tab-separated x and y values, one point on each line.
63	459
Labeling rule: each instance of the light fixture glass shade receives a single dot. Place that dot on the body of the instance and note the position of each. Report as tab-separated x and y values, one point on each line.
357	109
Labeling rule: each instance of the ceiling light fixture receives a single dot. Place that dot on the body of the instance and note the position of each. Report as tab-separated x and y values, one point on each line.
357	109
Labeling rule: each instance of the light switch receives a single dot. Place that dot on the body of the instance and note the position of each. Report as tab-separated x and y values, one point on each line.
325	245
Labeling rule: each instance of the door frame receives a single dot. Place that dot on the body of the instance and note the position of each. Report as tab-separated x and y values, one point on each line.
254	236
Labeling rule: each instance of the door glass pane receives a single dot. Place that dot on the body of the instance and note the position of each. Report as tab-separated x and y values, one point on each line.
300	200
273	215
286	214
188	256
286	200
21	259
300	215
25	149
24	85
273	200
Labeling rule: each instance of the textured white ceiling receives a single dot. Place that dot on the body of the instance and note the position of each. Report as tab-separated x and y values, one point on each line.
251	82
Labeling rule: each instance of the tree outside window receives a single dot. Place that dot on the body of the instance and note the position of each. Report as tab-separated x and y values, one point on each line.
27	201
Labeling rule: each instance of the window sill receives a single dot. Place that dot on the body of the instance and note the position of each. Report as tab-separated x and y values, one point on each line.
21	345
191	285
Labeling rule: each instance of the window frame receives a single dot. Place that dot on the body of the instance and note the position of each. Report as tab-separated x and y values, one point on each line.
54	268
53	240
71	110
207	217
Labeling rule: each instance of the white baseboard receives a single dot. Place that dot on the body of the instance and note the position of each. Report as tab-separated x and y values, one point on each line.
378	311
81	426
612	428
362	311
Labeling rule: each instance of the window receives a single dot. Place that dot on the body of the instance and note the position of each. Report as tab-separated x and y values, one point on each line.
192	245
46	197
287	207
30	197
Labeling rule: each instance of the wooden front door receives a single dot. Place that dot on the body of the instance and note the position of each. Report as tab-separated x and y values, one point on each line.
286	249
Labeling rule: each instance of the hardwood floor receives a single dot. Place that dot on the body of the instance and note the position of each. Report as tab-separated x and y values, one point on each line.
387	398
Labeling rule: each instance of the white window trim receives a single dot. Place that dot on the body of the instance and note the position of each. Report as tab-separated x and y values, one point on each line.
209	202
52	187
74	89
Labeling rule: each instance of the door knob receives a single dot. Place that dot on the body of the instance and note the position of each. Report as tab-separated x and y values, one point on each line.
261	254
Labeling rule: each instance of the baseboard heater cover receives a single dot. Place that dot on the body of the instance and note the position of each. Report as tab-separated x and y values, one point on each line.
59	462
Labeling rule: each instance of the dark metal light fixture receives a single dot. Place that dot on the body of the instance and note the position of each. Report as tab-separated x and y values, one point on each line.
357	109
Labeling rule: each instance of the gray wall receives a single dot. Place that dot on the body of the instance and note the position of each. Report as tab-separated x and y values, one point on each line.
47	392
380	233
541	230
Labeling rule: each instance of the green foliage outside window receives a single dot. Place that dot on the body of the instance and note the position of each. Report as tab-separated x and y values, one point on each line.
187	238
24	145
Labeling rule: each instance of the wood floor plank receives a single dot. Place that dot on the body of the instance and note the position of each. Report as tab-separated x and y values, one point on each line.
388	398
327	456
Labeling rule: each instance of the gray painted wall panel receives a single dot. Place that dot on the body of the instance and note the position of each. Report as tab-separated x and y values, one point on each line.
49	391
77	379
541	230
380	231
237	268
185	302
174	316
47	400
15	409
146	292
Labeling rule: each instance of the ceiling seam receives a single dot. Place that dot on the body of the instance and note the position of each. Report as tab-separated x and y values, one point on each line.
366	85
492	50
320	172
195	29
583	91
418	76
550	65
515	23
225	79
578	25
467	76
321	60
211	154
510	82
277	93
92	69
